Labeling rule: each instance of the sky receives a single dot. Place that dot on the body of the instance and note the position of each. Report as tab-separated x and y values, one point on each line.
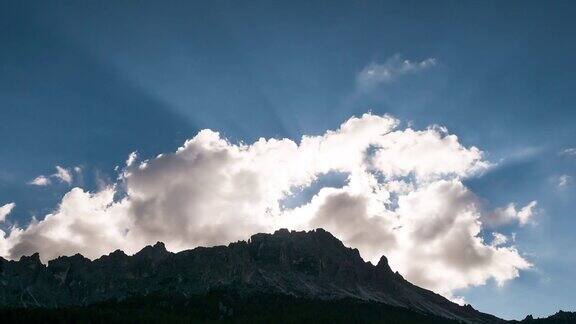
442	135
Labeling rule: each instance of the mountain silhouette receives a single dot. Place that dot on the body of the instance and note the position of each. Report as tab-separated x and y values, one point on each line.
282	275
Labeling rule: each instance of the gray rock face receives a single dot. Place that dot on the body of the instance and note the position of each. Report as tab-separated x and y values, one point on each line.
302	264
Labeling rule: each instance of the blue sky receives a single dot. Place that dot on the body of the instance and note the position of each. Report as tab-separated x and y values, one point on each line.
86	83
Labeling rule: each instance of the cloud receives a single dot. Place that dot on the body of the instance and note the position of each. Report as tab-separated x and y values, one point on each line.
5	243
569	151
90	223
404	197
40	181
499	239
393	68
131	158
564	180
402	151
509	214
5	210
62	174
440	243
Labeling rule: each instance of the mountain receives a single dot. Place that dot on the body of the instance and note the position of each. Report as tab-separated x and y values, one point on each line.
287	273
559	318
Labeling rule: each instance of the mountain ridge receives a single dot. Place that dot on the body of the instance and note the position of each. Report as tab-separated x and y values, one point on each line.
311	265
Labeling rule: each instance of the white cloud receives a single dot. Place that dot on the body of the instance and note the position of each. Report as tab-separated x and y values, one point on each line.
131	158
83	222
404	197
499	239
569	151
63	174
394	67
440	243
5	210
510	213
564	180
40	181
429	153
5	244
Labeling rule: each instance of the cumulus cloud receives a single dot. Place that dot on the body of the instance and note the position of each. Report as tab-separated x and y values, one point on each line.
509	214
90	223
5	210
401	152
131	158
394	67
404	197
40	181
5	244
440	245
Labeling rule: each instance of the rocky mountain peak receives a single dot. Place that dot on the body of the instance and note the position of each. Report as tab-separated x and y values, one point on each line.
158	249
32	261
383	264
